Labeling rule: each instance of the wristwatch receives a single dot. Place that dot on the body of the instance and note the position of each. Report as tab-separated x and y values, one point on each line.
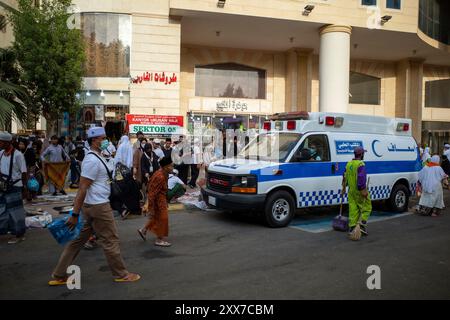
76	215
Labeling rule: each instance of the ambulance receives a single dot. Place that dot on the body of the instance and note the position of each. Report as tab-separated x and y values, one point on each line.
299	159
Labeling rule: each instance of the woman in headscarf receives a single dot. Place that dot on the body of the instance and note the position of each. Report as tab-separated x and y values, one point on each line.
124	153
430	179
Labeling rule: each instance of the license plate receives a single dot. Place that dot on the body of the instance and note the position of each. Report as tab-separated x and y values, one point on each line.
212	201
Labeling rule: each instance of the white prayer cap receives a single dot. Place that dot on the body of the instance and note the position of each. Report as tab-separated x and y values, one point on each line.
175	172
447	146
435	159
96	132
5	136
157	141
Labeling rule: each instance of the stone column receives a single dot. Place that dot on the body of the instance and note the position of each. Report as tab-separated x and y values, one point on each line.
334	68
299	65
409	93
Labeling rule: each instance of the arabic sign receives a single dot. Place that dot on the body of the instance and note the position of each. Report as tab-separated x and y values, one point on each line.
159	77
347	147
155	124
394	148
231	105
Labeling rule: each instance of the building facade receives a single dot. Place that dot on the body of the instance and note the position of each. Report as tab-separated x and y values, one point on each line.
231	63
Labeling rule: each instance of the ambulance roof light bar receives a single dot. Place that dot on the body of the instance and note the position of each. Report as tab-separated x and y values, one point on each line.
300	115
403	126
337	122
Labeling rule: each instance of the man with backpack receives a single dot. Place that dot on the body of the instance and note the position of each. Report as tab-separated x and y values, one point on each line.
93	202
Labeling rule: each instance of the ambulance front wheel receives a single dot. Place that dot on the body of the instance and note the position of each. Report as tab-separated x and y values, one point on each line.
398	201
279	209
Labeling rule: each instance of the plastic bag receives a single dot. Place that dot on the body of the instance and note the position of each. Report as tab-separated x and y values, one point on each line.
33	184
60	231
40	221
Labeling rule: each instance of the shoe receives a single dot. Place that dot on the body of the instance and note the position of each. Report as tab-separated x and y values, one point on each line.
55	194
89	245
131	277
16	240
63	193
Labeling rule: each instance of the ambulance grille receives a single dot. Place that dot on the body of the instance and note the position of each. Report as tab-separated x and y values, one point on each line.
219	182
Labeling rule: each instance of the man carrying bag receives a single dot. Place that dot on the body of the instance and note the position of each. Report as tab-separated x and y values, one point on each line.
93	198
13	177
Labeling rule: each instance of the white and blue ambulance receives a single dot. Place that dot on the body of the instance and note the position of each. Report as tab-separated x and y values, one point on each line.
298	161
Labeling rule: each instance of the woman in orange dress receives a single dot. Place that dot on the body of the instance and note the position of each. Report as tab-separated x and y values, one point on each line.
157	205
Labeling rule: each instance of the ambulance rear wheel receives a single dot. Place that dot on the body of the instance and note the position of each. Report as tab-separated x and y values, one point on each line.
279	209
398	202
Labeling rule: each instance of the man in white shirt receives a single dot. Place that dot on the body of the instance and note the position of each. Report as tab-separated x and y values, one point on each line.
157	150
176	187
13	178
93	198
196	163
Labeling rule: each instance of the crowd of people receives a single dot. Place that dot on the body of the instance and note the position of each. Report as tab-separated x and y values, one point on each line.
143	178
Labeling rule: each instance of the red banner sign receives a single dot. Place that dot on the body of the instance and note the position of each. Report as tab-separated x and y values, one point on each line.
154	124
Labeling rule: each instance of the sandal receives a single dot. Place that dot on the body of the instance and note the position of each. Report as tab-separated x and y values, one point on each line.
163	243
142	234
57	282
125	214
131	277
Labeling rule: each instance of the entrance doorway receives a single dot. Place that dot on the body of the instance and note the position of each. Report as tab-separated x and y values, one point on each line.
114	130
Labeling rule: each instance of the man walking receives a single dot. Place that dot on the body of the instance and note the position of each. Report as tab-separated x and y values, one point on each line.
93	200
355	177
55	154
13	176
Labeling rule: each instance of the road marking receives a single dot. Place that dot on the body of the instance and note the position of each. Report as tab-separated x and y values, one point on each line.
321	225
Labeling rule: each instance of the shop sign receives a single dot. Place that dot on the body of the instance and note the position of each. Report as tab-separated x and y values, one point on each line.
152	124
231	105
159	77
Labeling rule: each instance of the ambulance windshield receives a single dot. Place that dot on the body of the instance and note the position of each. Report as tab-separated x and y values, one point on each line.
274	146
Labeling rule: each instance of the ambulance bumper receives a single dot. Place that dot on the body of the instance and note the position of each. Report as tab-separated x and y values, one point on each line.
233	201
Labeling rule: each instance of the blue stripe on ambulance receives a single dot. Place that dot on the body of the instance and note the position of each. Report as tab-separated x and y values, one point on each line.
323	169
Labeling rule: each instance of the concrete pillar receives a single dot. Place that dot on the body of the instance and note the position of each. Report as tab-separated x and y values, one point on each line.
334	68
409	93
299	65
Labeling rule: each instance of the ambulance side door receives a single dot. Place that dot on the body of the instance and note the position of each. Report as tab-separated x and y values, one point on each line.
318	181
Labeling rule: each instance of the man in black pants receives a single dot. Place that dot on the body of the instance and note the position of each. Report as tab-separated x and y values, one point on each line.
182	167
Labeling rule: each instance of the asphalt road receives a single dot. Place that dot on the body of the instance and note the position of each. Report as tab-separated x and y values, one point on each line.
220	256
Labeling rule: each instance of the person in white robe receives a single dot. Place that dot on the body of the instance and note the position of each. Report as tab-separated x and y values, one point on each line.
431	178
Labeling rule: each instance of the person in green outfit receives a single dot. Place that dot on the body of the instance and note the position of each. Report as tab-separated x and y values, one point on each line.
176	187
355	177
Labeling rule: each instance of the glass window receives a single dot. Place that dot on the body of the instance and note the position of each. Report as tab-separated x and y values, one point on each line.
313	148
107	39
434	19
437	94
369	2
364	89
393	4
271	146
230	80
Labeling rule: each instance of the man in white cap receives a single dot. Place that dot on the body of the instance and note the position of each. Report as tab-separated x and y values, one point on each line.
93	200
447	150
157	150
13	176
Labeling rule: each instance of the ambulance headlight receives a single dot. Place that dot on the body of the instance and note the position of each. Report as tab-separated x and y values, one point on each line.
244	184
